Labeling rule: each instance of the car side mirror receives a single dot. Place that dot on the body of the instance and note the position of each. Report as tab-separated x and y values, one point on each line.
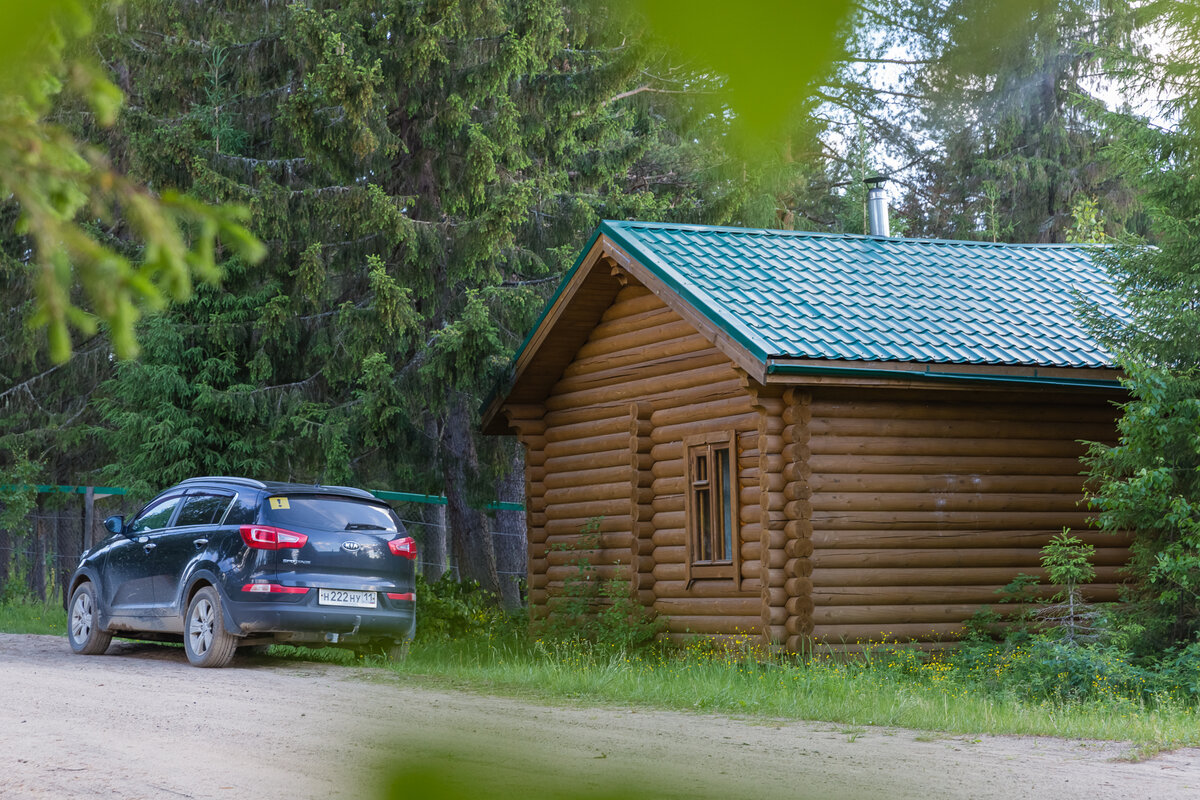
115	524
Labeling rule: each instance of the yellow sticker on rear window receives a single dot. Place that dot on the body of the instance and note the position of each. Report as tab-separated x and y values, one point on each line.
278	502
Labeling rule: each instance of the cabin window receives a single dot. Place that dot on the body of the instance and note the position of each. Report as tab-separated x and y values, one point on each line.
712	506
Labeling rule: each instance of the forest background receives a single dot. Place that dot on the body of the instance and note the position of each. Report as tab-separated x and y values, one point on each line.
301	241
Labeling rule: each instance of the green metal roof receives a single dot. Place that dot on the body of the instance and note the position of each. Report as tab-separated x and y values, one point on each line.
803	295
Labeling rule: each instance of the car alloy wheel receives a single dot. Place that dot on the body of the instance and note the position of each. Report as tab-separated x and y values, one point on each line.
205	640
83	630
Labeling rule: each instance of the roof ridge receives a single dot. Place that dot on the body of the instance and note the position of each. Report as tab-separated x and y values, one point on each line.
773	232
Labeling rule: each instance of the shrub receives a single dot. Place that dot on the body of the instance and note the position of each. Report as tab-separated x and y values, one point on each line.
601	611
450	609
1057	671
1177	674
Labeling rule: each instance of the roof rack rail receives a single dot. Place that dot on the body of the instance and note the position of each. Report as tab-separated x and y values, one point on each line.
354	490
228	479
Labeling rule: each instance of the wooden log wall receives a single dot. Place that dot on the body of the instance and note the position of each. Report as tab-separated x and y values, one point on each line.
614	427
920	508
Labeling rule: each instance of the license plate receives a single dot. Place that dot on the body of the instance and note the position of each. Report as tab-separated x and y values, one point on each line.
344	597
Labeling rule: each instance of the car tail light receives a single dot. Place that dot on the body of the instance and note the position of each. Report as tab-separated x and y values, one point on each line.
401	596
273	588
265	537
405	546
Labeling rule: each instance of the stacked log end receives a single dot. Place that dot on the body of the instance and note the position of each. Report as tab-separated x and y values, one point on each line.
641	556
773	520
797	548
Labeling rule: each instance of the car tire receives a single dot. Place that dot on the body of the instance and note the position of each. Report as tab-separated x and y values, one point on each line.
398	652
205	639
83	628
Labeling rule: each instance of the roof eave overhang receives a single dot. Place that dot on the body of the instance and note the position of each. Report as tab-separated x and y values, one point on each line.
741	348
604	246
492	421
804	371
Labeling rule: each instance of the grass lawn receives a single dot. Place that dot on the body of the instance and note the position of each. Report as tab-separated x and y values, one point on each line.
23	617
894	688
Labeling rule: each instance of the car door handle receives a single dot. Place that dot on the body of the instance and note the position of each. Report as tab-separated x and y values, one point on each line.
200	543
148	547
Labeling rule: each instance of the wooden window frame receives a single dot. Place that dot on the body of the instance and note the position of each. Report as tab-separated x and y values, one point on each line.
703	448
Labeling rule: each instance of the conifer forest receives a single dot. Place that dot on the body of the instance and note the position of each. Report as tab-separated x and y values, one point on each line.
300	240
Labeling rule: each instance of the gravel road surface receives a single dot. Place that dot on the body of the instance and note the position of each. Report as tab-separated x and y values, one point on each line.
139	722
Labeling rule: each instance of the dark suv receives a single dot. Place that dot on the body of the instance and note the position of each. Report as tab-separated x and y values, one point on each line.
224	562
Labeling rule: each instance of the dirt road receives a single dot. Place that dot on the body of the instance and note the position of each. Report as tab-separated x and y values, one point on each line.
141	723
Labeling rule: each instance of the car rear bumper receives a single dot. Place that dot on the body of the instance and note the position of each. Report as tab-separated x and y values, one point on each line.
311	622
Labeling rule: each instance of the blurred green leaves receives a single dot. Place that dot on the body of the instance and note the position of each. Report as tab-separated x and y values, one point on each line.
454	780
770	53
105	248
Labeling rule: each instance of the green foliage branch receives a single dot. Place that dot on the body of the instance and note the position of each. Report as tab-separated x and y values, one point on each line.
1067	560
67	191
1150	486
1148	483
18	498
1003	92
18	492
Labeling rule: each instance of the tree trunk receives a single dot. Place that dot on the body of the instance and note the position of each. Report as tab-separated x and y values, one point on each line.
70	538
433	542
509	539
471	541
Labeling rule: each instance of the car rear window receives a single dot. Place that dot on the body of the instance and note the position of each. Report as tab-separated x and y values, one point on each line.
327	513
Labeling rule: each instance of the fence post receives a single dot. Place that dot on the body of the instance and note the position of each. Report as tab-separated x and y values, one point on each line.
37	563
434	540
89	515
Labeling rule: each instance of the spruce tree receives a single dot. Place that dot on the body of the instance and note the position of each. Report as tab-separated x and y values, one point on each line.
1148	484
422	174
1003	113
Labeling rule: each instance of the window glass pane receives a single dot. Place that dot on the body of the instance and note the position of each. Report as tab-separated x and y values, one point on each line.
330	514
243	512
202	509
725	487
155	516
703	520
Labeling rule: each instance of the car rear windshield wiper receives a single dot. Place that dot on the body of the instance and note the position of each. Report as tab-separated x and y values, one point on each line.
363	526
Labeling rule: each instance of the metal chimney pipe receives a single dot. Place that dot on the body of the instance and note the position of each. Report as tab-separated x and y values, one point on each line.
877	208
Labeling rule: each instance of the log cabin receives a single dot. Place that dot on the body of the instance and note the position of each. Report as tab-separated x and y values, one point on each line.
820	440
